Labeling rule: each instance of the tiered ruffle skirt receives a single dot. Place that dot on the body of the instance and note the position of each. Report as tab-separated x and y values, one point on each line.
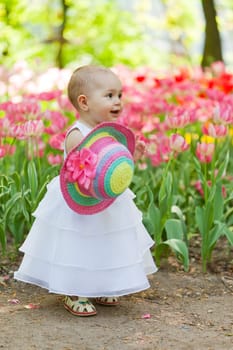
105	254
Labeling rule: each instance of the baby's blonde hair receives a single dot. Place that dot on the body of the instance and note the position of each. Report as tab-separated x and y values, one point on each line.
81	81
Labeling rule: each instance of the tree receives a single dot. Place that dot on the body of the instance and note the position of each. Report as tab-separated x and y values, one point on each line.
67	32
59	34
212	45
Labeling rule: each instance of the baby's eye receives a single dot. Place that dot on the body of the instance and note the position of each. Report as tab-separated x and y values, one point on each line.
110	95
120	95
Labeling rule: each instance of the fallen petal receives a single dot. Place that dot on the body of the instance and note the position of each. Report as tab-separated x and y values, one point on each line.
13	301
32	306
145	316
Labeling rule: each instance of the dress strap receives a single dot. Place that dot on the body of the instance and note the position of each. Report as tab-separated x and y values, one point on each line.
84	129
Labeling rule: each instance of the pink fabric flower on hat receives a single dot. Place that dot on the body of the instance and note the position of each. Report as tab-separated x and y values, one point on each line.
81	167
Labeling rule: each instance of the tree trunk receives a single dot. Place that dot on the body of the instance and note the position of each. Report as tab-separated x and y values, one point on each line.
61	40
212	46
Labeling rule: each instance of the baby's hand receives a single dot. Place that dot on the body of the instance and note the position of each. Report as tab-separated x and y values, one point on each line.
139	149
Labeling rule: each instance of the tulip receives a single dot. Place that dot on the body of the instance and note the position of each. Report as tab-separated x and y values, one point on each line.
178	143
2	151
33	128
214	130
55	159
178	121
205	152
57	141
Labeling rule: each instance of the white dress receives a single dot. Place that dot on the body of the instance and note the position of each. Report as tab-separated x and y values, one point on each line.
105	254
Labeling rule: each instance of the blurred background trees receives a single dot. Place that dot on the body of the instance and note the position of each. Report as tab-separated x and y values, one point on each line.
156	33
212	42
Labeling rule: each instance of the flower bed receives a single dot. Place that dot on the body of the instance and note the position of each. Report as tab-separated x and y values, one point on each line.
184	182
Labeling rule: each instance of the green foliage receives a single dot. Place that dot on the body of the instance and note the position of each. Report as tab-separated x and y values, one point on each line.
66	32
209	216
97	31
20	194
158	215
172	217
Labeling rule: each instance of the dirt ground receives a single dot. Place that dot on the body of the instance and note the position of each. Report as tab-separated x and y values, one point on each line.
181	311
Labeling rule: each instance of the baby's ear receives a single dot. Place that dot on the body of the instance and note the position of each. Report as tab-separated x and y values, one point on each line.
82	102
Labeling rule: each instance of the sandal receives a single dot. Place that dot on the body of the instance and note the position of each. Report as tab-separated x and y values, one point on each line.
108	301
80	307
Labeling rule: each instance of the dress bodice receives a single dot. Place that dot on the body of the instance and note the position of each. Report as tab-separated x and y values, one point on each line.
84	129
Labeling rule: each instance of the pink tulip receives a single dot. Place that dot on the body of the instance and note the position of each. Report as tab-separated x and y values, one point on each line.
199	188
157	159
178	121
57	141
158	149
28	107
57	121
214	130
17	131
50	95
65	104
205	151
2	151
150	124
223	113
33	128
178	143
55	159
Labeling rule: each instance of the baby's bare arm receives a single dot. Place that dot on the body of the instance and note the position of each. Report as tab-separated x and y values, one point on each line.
73	139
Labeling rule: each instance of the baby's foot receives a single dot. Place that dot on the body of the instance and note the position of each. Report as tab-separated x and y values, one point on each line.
79	306
108	301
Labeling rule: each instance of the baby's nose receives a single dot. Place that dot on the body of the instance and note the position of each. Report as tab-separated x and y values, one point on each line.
117	100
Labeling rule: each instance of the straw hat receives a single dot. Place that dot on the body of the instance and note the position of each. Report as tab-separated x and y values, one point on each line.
98	169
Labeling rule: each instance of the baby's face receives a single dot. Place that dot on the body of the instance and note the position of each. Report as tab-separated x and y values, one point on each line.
104	100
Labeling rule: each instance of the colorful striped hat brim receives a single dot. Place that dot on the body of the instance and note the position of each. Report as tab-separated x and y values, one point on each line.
114	146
